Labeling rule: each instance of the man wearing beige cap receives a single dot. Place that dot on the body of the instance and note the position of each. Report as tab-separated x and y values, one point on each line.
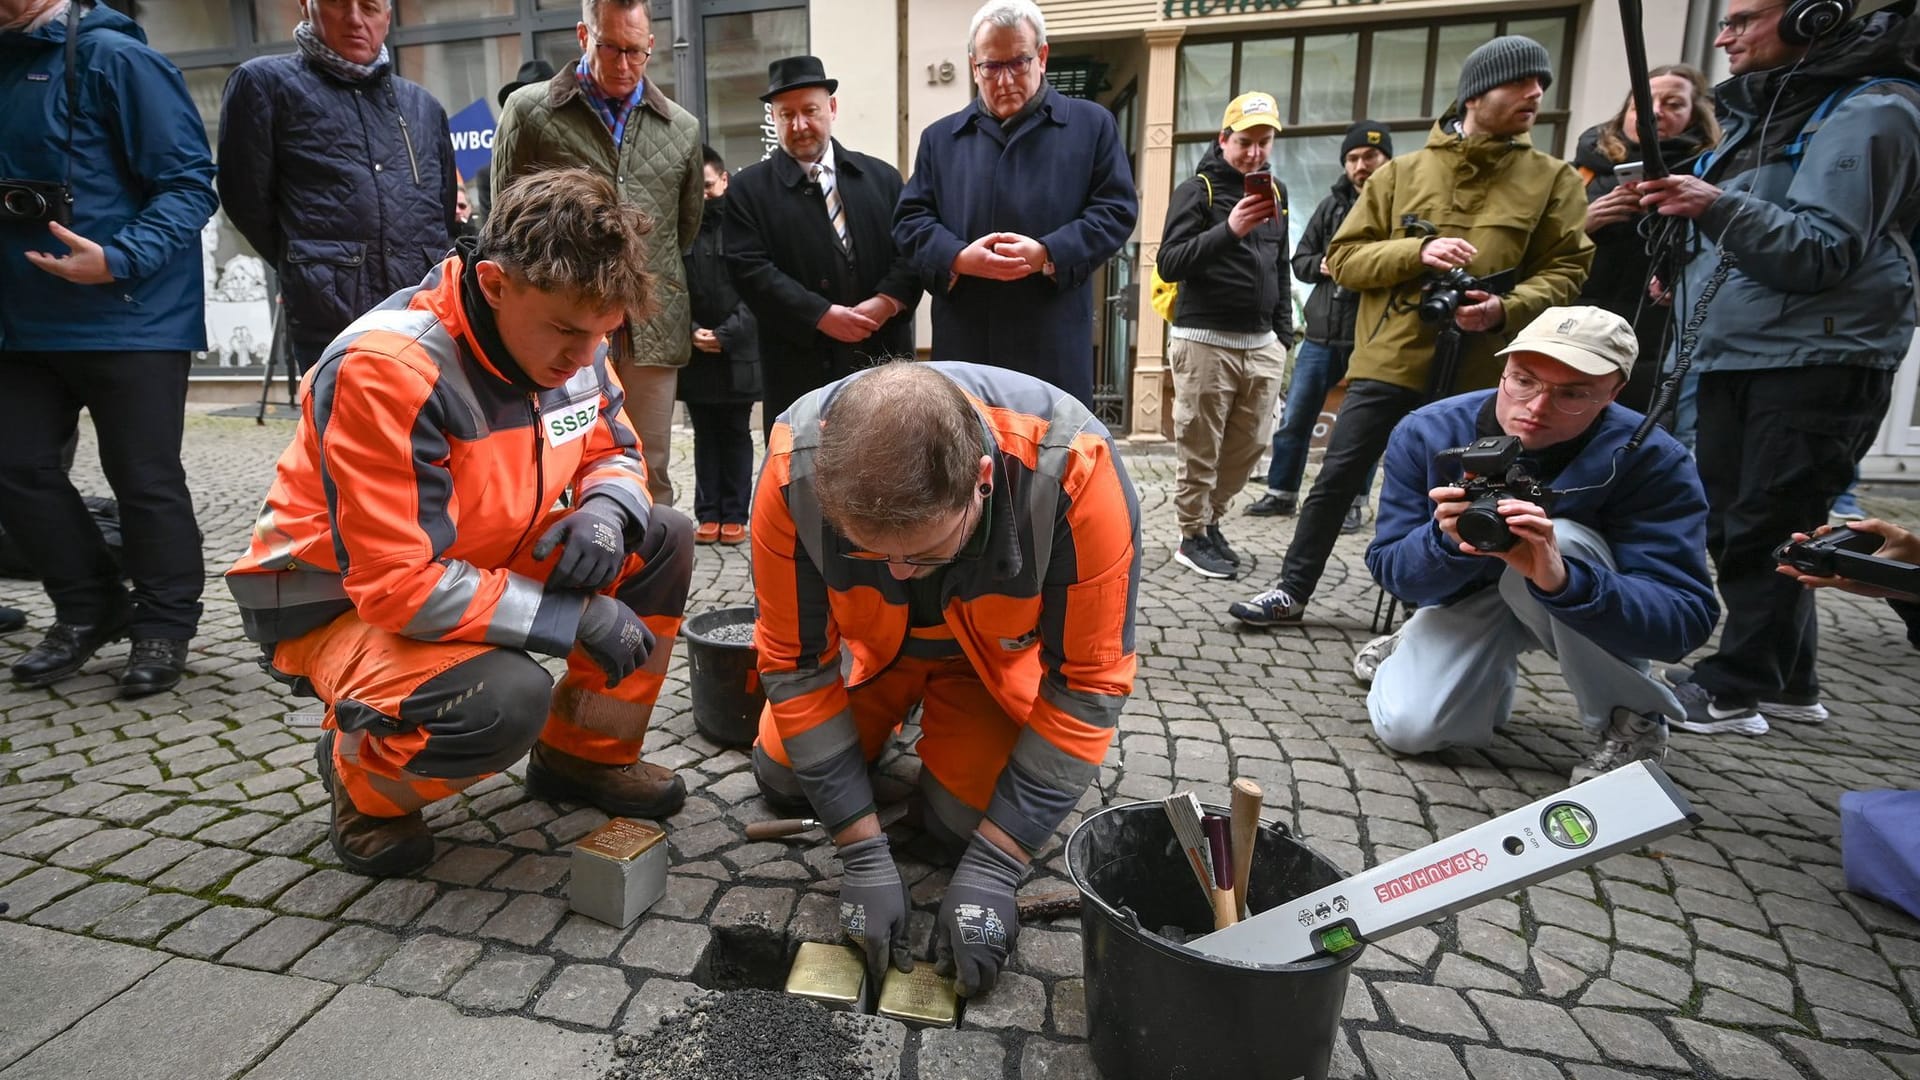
1225	245
1601	561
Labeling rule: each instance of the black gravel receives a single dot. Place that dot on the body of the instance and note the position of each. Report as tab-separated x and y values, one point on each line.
743	1035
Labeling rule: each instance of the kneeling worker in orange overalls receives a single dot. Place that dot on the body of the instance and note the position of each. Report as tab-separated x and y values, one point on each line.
968	533
412	558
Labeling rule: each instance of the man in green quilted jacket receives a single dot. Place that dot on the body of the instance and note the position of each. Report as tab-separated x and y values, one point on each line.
604	113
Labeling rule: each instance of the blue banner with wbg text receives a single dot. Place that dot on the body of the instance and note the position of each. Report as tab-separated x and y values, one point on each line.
472	132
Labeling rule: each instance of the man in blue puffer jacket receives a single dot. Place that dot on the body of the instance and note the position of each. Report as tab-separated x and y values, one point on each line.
339	172
1609	572
100	313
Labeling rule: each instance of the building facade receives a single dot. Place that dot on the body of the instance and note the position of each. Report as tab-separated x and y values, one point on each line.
1165	68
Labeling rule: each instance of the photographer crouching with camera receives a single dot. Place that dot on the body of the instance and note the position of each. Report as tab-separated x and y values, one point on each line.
1498	209
1517	519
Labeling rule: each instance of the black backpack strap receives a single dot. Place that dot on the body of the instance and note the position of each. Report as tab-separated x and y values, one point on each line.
73	83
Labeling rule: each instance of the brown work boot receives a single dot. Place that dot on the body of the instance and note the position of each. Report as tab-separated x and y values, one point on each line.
374	846
639	790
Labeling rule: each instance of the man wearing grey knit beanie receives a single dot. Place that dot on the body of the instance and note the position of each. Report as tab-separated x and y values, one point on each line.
1494	203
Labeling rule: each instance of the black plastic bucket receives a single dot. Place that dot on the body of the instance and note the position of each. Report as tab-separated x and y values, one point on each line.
1156	1009
723	670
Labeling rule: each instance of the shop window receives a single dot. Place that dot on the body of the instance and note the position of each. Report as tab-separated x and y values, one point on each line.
1206	85
1328	67
1399	82
738	48
457	73
274	20
182	25
1266	66
1403	76
418	12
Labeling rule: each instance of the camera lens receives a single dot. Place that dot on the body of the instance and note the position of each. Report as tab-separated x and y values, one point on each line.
1438	306
21	202
1482	526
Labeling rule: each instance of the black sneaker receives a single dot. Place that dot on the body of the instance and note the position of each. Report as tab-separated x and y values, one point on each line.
1271	505
1220	545
1198	554
1356	518
1271	608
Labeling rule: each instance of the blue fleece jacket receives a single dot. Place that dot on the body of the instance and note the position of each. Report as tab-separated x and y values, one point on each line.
1658	604
142	189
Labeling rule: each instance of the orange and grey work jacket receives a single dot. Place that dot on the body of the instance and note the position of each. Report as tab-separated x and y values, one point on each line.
1045	614
420	477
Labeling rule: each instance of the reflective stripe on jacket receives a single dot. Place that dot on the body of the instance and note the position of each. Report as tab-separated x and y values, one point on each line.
1046	614
419	475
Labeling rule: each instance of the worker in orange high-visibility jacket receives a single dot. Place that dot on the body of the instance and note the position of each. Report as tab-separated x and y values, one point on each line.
969	535
413	554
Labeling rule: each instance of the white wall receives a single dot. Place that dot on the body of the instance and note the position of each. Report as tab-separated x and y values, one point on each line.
1600	73
859	42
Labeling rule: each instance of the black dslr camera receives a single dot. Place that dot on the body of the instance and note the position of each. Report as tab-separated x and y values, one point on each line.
35	200
1443	294
1490	473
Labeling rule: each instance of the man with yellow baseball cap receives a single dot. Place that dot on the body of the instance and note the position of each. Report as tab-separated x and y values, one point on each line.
1225	246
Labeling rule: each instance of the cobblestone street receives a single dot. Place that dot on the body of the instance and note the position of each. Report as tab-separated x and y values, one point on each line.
173	895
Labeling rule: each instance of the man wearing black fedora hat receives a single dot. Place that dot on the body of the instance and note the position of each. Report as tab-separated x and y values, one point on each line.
809	243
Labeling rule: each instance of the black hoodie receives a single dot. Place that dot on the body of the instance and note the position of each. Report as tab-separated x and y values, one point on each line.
1227	282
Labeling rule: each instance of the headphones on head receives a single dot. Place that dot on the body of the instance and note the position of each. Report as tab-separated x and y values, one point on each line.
1805	21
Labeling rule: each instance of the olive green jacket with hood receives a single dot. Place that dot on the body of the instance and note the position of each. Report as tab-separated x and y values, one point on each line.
1519	207
657	167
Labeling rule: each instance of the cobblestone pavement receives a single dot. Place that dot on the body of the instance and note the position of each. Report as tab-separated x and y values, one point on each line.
177	842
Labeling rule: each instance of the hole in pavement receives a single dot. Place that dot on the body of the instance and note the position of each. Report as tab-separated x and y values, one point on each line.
745	957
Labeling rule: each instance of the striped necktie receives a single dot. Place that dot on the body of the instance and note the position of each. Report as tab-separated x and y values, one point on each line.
836	211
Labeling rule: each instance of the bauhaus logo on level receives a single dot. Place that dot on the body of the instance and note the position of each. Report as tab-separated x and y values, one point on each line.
1407	884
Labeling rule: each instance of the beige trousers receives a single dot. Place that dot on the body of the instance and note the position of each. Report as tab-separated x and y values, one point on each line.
1222	418
650	395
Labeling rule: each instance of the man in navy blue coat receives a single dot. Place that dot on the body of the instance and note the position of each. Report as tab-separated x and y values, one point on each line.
1014	202
338	171
101	300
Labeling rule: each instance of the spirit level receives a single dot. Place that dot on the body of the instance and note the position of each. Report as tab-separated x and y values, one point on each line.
1614	812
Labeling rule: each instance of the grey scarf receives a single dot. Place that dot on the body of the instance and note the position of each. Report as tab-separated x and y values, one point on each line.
332	62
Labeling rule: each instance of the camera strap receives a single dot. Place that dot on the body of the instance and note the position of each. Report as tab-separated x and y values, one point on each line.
73	84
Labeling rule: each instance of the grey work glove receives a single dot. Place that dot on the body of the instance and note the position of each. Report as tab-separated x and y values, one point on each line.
592	542
978	919
874	905
613	637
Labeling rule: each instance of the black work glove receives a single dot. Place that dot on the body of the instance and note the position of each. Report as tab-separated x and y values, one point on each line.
613	637
874	905
592	542
978	919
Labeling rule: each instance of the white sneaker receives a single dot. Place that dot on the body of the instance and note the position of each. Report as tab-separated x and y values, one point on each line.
1630	737
1704	717
1815	713
1366	662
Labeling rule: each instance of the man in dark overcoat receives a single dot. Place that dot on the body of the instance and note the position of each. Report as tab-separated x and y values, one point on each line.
808	245
1015	201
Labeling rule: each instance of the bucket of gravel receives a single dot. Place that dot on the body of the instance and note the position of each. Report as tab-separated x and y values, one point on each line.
1156	1008
724	672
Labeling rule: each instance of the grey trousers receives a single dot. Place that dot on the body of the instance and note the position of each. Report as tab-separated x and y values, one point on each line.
1449	681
